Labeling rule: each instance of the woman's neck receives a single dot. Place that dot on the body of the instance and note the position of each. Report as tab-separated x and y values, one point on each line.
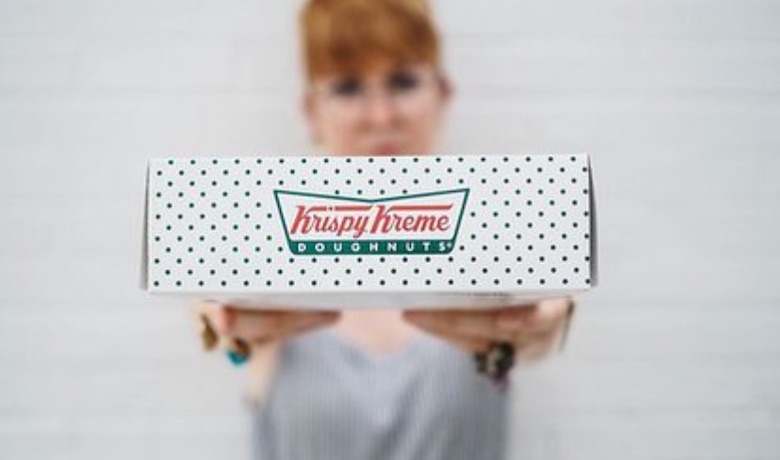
376	330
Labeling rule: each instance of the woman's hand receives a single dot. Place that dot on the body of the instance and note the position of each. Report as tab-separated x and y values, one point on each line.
255	327
536	330
242	330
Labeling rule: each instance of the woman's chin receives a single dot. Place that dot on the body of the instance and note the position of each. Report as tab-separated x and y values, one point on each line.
379	151
389	150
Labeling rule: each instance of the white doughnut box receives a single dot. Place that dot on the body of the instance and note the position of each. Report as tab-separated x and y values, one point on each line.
325	232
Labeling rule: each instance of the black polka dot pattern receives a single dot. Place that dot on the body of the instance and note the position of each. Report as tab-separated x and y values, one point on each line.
214	226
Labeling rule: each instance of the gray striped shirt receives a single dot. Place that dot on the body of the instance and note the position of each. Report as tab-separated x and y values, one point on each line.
329	399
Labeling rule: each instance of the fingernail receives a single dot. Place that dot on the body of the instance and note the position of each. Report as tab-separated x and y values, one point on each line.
207	335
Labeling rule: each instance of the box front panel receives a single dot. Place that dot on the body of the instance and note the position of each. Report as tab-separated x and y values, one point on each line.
396	224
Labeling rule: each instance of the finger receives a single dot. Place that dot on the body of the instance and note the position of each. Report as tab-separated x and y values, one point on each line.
464	323
298	323
466	343
204	308
215	313
489	324
536	348
252	324
305	324
546	316
298	328
259	326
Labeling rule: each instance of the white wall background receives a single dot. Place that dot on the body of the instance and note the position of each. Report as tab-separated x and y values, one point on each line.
675	356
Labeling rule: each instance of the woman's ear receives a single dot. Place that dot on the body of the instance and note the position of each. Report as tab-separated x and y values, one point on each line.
309	109
447	89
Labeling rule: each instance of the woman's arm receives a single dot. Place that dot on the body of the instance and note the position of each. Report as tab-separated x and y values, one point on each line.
261	334
262	366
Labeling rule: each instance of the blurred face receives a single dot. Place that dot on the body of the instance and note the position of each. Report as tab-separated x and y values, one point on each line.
390	110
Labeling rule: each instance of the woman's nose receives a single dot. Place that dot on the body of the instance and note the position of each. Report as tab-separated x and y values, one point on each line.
380	108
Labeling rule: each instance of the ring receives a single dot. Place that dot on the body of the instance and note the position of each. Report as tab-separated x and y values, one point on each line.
496	362
238	352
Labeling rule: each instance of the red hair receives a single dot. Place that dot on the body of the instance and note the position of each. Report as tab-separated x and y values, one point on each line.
347	36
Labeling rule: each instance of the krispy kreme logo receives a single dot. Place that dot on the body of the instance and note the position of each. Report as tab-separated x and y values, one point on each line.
425	223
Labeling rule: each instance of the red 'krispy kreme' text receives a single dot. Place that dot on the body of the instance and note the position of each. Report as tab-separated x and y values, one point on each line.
372	219
388	222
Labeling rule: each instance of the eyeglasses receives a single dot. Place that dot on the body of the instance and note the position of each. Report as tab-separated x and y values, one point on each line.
350	95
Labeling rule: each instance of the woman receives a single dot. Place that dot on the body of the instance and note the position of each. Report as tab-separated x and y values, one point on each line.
379	383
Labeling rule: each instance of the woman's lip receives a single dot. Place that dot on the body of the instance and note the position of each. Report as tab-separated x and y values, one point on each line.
385	150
